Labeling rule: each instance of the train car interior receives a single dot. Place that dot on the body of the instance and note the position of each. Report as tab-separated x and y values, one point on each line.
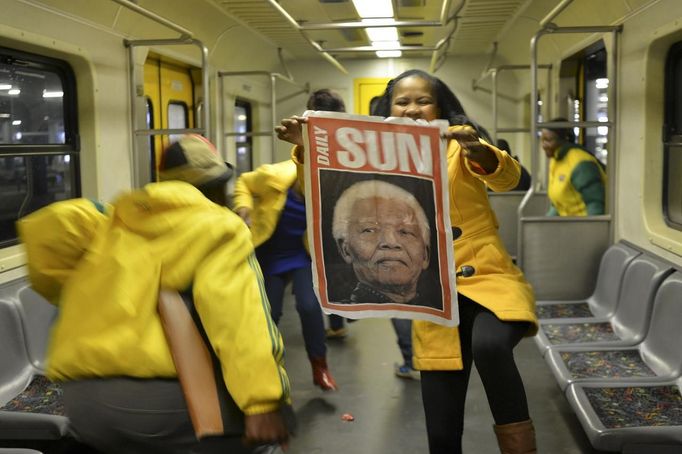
92	92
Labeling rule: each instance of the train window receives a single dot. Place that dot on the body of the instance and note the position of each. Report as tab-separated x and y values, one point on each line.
38	136
595	96
177	118
584	80
243	144
672	179
149	118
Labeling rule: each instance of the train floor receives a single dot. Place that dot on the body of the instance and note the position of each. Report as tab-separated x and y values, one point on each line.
388	412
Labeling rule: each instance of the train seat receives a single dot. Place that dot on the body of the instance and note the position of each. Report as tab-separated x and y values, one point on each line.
630	417
657	358
604	299
30	407
626	327
18	451
37	316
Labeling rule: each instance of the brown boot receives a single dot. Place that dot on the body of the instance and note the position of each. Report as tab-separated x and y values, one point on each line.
321	375
516	438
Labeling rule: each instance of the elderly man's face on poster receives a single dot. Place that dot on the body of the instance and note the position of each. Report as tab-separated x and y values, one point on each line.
386	247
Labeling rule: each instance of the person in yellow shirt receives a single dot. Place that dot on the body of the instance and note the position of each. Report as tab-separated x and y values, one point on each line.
104	267
270	201
576	180
496	304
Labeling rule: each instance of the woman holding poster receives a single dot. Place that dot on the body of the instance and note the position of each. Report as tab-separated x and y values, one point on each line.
496	304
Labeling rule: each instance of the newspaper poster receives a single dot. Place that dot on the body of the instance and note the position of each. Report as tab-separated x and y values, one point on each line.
377	208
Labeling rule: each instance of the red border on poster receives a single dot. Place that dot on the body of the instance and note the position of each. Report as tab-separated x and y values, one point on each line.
367	146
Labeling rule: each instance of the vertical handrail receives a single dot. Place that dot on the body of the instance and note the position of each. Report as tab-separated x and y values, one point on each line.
305	88
273	114
493	73
493	77
205	127
536	125
612	74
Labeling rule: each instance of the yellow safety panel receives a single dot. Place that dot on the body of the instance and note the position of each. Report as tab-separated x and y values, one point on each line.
166	83
365	89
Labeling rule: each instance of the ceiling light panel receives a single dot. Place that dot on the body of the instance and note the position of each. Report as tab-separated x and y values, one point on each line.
382	34
374	8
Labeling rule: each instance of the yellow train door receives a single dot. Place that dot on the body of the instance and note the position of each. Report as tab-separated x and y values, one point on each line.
169	89
365	89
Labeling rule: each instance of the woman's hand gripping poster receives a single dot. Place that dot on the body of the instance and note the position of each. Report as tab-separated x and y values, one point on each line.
377	207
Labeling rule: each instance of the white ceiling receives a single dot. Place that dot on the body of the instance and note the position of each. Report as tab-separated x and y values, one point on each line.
477	24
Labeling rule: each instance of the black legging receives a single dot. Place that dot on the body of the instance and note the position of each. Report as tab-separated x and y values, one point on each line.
489	342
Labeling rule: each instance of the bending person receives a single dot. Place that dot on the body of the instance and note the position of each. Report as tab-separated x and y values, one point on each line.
576	178
496	305
103	268
271	202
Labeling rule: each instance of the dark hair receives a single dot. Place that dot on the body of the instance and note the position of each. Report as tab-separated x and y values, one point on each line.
325	99
503	145
565	134
448	105
216	193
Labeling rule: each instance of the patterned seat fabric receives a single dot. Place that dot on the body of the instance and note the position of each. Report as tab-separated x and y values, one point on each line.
637	406
41	396
564	310
579	332
606	364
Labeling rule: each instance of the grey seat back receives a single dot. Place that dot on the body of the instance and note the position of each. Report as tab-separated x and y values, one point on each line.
37	317
15	369
18	451
662	346
640	283
612	268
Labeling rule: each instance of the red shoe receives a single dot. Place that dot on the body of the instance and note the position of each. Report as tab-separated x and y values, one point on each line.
321	375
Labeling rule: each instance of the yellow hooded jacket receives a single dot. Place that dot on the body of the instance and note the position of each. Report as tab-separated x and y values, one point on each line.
264	192
104	272
497	283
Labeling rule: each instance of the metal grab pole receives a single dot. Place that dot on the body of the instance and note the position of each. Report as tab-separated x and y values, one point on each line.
555	12
614	29
273	113
204	69
534	165
327	56
137	176
612	137
155	17
273	77
493	75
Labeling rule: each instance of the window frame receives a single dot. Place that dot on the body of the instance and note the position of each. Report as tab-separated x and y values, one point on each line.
248	142
69	104
29	152
672	136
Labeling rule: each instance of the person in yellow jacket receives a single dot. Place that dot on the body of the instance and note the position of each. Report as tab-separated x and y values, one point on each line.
270	201
496	304
576	180
103	268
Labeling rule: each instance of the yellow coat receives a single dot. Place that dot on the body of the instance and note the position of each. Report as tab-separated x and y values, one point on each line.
497	283
264	192
105	270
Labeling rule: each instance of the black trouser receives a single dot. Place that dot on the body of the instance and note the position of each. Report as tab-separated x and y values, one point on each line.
137	416
489	342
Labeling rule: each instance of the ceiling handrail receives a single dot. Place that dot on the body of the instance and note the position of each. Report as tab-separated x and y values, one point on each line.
186	34
298	27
